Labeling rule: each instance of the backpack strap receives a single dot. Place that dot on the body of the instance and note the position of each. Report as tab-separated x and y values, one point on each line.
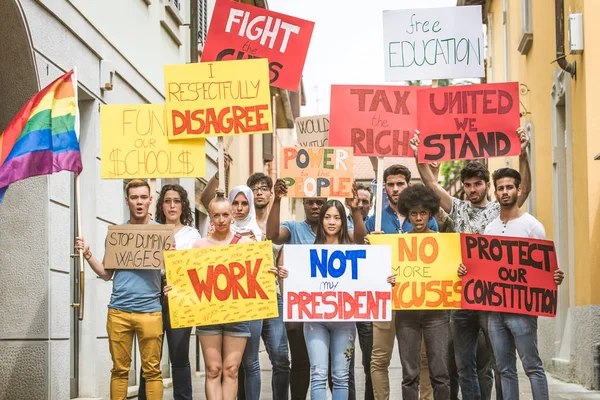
236	238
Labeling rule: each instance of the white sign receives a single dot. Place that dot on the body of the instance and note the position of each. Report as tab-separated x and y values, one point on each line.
313	131
337	283
433	43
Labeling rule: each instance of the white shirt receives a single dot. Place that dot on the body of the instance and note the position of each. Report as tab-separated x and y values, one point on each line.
185	238
526	226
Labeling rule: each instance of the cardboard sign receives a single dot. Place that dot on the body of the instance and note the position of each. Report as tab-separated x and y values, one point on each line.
219	284
240	31
337	283
134	144
373	120
137	246
313	131
425	267
224	98
508	274
433	43
466	122
317	171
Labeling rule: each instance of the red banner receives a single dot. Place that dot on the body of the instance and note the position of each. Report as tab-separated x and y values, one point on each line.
466	122
509	274
238	31
374	120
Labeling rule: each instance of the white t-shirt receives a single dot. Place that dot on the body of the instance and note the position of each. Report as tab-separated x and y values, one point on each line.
185	238
526	226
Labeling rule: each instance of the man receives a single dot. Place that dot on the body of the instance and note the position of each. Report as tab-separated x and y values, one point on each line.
262	189
511	332
273	331
293	232
396	178
134	307
472	216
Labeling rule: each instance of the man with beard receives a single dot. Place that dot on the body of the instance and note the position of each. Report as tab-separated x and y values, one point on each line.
472	216
293	232
511	332
396	178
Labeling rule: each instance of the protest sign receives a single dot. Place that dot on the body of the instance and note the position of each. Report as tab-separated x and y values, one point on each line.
317	171
312	131
137	246
225	98
221	284
466	122
337	283
134	144
240	31
373	120
433	43
425	266
509	274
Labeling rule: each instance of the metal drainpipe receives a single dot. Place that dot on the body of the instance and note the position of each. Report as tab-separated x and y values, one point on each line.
597	366
561	58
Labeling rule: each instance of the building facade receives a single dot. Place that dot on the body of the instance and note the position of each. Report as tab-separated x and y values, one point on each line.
559	111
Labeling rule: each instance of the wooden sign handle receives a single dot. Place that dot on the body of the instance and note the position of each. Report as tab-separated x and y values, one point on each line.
379	198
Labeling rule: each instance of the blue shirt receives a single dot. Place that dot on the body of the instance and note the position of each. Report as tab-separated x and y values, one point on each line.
136	290
300	232
390	223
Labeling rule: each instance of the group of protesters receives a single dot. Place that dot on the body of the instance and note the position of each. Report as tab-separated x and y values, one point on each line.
442	352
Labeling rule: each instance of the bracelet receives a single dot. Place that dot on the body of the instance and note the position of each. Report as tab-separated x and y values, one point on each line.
85	255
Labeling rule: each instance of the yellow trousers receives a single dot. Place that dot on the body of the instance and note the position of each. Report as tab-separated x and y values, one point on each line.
121	326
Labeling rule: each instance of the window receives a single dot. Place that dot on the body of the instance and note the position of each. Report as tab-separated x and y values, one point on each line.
202	21
527	28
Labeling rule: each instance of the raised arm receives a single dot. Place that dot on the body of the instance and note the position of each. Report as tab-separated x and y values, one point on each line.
96	265
360	230
210	190
524	167
428	177
276	233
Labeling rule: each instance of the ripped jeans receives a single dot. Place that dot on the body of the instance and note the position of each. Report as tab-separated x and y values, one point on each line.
324	339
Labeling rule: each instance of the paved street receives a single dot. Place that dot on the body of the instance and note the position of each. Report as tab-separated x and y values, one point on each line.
558	389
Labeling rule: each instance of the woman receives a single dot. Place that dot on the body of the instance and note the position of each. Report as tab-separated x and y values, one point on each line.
420	204
244	223
333	340
173	207
222	344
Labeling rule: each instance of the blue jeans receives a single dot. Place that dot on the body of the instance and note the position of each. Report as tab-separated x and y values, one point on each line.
511	333
275	337
178	341
475	363
322	340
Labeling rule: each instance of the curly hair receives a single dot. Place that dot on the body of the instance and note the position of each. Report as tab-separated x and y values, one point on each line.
187	217
474	169
418	196
343	235
257	178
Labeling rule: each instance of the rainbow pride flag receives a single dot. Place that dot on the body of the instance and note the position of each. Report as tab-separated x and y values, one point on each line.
42	138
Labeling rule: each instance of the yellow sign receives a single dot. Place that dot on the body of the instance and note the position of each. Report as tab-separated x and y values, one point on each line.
134	144
221	284
425	266
223	98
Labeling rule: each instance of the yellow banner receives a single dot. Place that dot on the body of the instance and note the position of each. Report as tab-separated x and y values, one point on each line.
223	98
221	284
425	266
134	144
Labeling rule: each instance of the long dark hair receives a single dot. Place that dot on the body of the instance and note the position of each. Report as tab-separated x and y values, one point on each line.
343	236
186	211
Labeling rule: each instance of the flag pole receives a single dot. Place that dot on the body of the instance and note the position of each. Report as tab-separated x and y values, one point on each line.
81	302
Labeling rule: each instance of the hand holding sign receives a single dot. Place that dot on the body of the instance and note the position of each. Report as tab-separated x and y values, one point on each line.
280	189
352	202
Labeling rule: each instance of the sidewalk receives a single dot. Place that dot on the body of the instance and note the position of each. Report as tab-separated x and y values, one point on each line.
558	389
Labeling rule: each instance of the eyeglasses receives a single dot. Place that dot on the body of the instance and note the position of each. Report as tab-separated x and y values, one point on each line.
261	189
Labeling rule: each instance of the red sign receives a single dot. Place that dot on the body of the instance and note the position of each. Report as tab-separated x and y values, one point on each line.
466	122
238	31
374	120
509	274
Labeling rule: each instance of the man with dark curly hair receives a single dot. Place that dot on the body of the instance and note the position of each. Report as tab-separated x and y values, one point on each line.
420	204
472	216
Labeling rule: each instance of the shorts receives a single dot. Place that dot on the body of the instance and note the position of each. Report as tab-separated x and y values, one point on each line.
237	329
